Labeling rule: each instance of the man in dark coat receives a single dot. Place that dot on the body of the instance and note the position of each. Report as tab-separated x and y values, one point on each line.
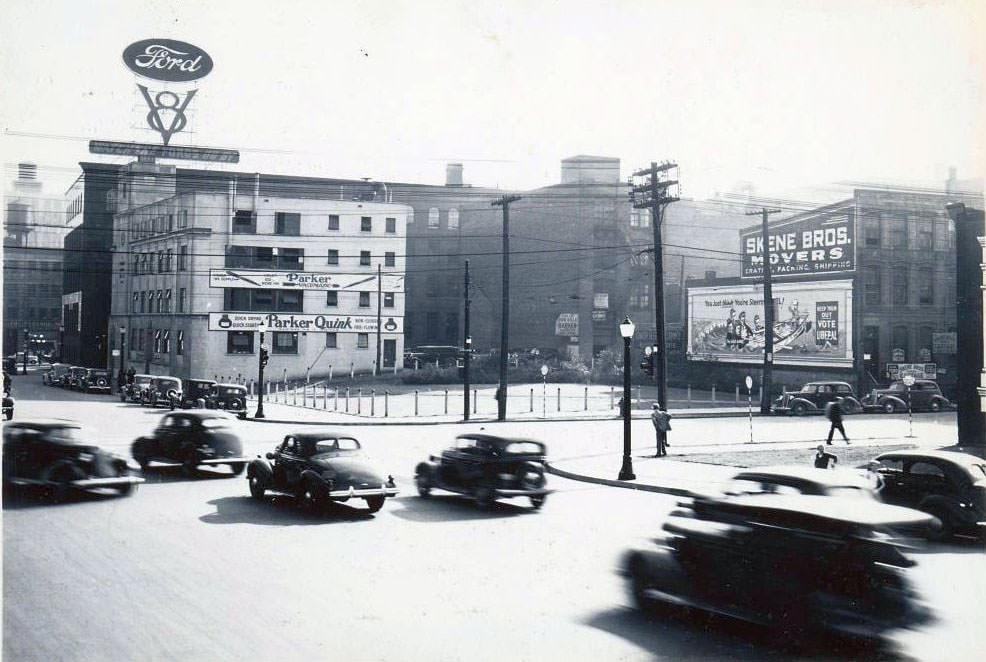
825	460
834	413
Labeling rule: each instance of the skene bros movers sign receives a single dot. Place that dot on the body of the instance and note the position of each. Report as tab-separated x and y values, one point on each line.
817	245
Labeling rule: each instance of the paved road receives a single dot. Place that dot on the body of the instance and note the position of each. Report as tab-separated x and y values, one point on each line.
196	570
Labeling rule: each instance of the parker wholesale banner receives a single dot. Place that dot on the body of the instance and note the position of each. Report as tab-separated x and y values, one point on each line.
812	323
823	244
299	322
303	280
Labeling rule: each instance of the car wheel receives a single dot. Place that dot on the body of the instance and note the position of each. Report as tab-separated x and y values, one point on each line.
423	482
374	503
308	497
190	465
256	486
484	497
58	488
944	528
538	501
799	409
889	407
852	406
639	584
237	468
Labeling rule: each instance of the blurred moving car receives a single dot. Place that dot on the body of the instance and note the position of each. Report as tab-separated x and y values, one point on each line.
231	398
162	391
813	396
53	375
10	364
806	563
55	455
192	439
194	390
95	380
317	467
487	467
134	391
924	395
796	479
949	485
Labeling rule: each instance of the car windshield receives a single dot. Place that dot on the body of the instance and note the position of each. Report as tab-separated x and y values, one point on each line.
808	388
65	435
525	447
335	445
200	388
214	423
142	380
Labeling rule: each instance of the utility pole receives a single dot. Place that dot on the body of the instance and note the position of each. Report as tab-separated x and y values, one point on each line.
501	391
768	312
376	366
466	347
654	195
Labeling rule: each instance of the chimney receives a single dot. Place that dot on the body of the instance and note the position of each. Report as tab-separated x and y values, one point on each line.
27	171
453	174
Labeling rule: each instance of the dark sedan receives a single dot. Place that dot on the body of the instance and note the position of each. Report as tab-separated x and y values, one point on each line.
55	455
317	467
95	381
192	439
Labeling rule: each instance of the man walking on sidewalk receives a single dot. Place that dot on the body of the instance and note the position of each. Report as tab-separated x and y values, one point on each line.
833	411
662	425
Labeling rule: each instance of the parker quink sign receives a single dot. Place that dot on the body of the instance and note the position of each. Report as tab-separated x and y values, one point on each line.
299	322
804	246
167	60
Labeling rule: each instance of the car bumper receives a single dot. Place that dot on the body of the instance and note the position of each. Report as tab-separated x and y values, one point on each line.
225	460
351	492
116	481
508	493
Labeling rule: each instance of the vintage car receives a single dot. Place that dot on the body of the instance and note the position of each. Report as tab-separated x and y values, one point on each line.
8	406
73	378
194	390
56	456
231	398
803	563
192	439
96	380
318	466
487	468
797	479
53	375
162	391
947	484
10	365
813	397
134	391
924	395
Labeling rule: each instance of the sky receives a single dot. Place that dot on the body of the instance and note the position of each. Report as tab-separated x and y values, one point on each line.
789	96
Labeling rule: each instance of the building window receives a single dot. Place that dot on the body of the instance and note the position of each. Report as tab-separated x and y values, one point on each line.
167	301
291	258
332	298
143	301
364	258
390	226
453	219
180	343
433	217
239	342
899	338
389	259
244	222
280	301
362	340
872	288
925	334
333	221
900	286
290	301
331	340
284	343
171	222
183	258
287	223
366	224
410	216
183	218
167	260
333	256
364	299
140	340
898	231
181	300
166	341
157	341
926	233
160	301
871	232
388	300
136	302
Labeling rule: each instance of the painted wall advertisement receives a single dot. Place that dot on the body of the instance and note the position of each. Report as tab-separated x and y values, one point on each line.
567	324
305	323
303	280
812	323
806	246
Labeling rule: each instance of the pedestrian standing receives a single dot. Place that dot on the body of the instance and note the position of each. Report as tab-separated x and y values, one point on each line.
130	375
824	460
833	411
662	425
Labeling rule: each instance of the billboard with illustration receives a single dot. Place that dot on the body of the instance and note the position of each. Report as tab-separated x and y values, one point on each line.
812	323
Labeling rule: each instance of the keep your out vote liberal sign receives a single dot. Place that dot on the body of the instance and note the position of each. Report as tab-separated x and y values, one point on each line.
823	244
293	322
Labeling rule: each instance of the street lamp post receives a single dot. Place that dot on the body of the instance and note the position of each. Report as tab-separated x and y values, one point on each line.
544	391
27	348
626	331
120	380
61	342
262	361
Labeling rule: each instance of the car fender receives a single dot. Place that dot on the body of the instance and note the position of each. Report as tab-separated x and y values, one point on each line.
62	465
883	399
312	476
809	405
426	468
942	401
958	514
855	406
141	443
261	469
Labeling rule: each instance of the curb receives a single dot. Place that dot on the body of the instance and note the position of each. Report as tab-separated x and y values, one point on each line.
643	487
383	421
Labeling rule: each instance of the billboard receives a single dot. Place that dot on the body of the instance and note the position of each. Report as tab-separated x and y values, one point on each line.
824	244
304	323
303	280
812	323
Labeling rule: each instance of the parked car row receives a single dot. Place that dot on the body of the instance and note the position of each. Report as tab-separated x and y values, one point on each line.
78	378
175	393
922	395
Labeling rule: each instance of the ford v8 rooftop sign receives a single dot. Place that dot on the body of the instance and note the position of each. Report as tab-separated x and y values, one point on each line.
167	60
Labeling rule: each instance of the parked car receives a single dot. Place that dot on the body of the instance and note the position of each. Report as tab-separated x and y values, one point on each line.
949	485
162	391
10	364
924	395
796	479
194	390
96	380
192	439
487	467
8	406
813	396
319	466
134	391
231	398
810	564
53	375
57	456
73	378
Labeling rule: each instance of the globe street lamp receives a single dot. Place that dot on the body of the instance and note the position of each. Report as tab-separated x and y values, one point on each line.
544	391
626	331
262	354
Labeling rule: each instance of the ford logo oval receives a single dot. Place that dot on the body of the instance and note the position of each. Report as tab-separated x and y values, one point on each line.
167	60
